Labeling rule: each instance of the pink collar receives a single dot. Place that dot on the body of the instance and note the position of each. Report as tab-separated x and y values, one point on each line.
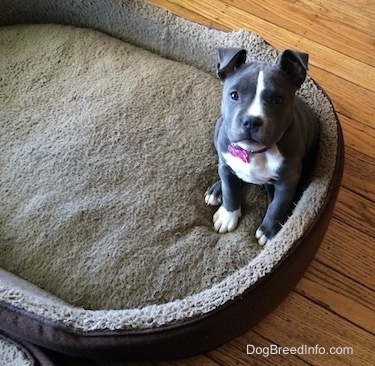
243	154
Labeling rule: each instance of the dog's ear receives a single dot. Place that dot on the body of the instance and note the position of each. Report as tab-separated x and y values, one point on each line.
229	60
294	64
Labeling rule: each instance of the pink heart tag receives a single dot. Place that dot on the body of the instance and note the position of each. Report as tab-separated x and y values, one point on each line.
239	152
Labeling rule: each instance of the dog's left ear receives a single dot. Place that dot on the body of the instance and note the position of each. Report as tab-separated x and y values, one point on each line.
294	64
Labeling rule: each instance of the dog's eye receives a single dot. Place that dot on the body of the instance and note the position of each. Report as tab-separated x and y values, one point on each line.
234	95
278	99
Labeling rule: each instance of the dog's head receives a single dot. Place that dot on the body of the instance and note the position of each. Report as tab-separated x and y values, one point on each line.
258	97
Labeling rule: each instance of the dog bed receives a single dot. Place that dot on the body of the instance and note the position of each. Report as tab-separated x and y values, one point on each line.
107	246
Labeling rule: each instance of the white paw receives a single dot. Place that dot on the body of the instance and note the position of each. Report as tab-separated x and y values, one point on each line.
212	200
262	239
226	221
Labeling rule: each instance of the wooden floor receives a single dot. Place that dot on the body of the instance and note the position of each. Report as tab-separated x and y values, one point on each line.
333	304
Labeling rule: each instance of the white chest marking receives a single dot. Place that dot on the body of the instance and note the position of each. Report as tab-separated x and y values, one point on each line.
256	107
260	169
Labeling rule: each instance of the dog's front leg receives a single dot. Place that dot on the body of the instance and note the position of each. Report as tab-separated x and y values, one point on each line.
226	217
277	212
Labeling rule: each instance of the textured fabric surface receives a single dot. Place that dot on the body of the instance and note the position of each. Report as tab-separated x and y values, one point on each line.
102	189
106	154
12	354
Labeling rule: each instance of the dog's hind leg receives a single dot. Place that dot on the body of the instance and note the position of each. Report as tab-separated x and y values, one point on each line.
214	195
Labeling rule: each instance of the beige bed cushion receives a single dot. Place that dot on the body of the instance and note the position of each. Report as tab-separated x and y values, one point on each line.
106	151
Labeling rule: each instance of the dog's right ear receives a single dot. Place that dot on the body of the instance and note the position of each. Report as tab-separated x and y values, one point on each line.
230	59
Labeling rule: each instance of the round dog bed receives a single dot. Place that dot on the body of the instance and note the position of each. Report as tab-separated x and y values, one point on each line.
107	246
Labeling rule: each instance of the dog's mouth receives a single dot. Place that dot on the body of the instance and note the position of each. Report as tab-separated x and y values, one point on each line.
250	145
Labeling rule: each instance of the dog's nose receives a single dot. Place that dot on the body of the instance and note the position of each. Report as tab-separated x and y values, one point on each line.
252	122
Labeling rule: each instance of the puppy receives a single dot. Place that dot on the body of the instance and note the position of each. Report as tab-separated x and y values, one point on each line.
266	135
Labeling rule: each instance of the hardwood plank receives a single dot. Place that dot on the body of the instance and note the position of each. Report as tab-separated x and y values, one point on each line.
299	321
356	211
365	6
306	18
358	136
359	174
339	294
236	18
348	251
349	99
176	8
357	16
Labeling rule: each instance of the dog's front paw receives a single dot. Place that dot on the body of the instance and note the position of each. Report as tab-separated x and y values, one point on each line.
213	195
263	234
226	221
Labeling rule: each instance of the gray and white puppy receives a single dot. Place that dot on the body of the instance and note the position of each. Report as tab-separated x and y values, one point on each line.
266	135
